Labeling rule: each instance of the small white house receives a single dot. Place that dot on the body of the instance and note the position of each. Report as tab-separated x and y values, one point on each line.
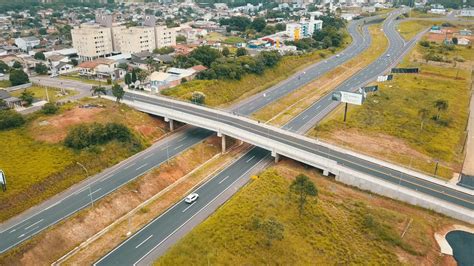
27	43
464	41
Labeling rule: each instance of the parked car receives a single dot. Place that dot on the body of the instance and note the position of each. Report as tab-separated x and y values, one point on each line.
191	198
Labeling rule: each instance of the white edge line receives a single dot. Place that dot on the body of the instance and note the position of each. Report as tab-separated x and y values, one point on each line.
199	210
169	209
188	206
144	241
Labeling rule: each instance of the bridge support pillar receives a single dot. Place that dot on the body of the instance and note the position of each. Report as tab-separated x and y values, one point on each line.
223	143
325	172
171	125
276	155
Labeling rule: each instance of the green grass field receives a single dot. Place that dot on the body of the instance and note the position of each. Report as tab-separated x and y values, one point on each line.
343	227
409	29
40	93
234	40
222	92
5	84
394	111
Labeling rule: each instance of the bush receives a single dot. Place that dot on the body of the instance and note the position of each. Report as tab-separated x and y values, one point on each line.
18	77
49	108
88	135
10	119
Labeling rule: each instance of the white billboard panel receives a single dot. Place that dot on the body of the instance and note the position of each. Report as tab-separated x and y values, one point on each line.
348	97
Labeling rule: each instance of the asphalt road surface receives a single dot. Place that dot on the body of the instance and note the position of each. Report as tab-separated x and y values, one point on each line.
139	249
50	212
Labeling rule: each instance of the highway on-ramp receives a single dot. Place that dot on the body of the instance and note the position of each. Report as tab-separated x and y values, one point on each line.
61	206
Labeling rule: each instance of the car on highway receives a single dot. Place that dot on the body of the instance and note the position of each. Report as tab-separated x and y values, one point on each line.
191	198
388	55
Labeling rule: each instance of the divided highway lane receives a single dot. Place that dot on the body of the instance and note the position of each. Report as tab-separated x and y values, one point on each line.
79	199
318	110
28	224
135	248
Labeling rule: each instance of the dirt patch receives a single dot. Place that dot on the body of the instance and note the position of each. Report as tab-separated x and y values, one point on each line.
54	129
374	143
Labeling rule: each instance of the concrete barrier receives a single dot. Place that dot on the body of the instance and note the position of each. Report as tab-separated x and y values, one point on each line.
380	187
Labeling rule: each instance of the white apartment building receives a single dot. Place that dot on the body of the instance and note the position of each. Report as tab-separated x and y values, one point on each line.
304	29
134	39
165	36
92	41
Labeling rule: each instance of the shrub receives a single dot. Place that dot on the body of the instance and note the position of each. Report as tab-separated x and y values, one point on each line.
10	119
49	108
198	97
18	77
88	135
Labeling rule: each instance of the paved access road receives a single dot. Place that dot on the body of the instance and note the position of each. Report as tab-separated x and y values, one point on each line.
50	212
131	252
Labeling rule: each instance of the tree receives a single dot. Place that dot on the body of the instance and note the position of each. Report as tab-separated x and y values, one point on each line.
42	31
180	39
27	96
441	105
455	40
4	68
17	65
241	51
10	119
40	56
41	69
280	26
128	78
258	24
49	108
18	77
198	97
133	76
123	66
98	90
118	92
303	187
142	75
205	54
423	113
225	51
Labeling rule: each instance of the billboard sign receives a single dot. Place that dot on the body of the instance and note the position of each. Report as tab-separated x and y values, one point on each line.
348	97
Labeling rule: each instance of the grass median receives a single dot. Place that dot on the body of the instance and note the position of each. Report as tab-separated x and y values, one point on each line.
289	106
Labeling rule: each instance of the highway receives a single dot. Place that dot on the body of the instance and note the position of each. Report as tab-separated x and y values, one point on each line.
61	206
141	247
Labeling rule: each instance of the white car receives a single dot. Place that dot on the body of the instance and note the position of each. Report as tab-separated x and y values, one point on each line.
388	55
191	198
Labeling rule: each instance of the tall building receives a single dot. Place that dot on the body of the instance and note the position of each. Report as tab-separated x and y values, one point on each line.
103	37
134	39
165	36
92	41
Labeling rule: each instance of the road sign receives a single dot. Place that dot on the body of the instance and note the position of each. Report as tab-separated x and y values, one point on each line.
348	97
3	181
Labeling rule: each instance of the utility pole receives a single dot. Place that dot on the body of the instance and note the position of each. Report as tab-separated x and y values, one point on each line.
345	112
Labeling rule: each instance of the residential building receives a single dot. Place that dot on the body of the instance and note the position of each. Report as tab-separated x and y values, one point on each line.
11	102
165	36
92	41
134	39
466	12
465	32
101	68
464	41
27	44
